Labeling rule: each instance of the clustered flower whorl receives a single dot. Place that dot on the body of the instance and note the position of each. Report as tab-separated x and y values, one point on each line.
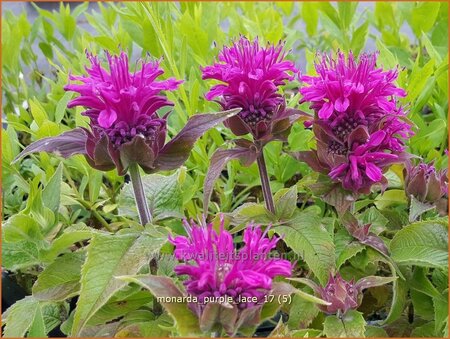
250	76
359	126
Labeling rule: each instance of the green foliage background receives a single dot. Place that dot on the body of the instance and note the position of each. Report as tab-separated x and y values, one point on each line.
46	216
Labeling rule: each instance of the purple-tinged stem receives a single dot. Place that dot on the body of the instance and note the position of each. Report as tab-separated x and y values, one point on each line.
265	183
139	195
145	217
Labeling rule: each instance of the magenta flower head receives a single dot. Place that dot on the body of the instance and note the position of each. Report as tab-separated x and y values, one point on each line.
250	77
218	272
359	127
125	126
426	184
122	107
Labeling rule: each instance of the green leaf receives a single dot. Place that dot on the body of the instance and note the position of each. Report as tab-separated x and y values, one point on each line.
61	106
417	208
285	203
441	314
352	324
422	244
118	306
359	37
375	332
302	313
424	331
61	279
163	287
37	328
346	247
163	194
389	198
71	235
386	58
309	239
421	283
18	255
51	195
306	333
400	289
109	256
310	15
20	317
423	17
21	227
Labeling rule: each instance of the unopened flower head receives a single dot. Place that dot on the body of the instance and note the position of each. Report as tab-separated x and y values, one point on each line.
341	294
425	183
216	268
359	126
250	76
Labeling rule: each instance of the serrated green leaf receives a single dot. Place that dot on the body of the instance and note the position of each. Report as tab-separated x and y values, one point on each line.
19	317
126	254
286	203
301	313
352	324
163	287
422	244
61	279
163	194
51	195
308	238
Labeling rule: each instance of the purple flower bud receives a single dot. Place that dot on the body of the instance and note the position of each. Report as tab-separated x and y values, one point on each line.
250	76
343	295
425	183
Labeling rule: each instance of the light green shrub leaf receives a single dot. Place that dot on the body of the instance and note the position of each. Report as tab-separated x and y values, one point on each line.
351	325
186	322
109	256
309	239
163	194
61	279
422	244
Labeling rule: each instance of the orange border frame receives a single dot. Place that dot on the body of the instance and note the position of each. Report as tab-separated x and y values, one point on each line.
19	1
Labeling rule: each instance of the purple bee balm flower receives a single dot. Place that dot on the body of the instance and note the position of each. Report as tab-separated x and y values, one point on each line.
359	88
125	127
427	185
122	107
215	268
250	76
359	127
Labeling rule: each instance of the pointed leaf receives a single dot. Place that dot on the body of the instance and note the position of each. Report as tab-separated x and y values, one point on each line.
309	239
66	144
61	279
126	254
373	281
422	244
177	150
350	325
163	194
417	208
51	195
163	287
218	162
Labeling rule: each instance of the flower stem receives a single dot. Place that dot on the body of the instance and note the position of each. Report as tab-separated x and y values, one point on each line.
139	195
265	183
145	216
